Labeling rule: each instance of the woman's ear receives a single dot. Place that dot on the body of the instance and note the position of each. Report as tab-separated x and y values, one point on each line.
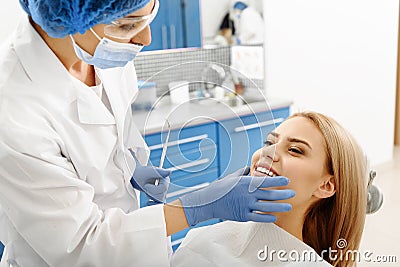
327	188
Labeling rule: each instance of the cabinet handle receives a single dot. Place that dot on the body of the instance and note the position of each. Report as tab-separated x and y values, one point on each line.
189	165
258	125
187	190
164	37
180	141
173	36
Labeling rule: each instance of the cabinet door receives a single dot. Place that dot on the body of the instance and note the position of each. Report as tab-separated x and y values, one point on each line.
1	249
192	23
239	138
159	30
175	24
192	156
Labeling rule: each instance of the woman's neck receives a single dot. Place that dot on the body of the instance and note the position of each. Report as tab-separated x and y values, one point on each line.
292	222
63	49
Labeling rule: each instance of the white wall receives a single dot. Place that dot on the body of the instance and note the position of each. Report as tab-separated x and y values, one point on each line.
212	12
10	13
337	57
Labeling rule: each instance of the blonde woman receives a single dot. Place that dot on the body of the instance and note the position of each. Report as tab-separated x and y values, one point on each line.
326	168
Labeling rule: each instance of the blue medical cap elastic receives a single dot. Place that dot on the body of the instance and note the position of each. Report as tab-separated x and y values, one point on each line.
60	18
240	5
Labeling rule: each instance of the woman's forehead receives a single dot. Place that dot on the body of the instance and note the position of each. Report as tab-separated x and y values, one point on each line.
300	127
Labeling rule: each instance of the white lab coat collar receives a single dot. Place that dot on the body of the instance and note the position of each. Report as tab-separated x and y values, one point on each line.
124	81
28	40
52	74
91	110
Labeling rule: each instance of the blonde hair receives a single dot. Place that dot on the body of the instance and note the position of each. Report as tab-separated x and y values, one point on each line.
341	216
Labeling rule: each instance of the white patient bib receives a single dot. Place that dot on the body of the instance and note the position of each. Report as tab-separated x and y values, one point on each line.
244	244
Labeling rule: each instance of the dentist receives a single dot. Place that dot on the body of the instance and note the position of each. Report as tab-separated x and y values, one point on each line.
68	180
249	24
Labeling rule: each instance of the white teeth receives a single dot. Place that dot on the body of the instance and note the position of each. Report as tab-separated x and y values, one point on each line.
266	171
263	170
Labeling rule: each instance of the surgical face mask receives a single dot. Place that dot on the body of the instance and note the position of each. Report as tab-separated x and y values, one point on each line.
237	13
108	53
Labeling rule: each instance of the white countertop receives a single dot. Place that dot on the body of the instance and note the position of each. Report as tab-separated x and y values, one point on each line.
192	113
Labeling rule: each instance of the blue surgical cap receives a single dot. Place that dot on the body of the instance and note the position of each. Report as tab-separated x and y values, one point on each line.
59	18
240	5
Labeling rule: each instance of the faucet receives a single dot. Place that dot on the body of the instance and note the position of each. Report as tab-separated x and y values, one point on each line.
212	76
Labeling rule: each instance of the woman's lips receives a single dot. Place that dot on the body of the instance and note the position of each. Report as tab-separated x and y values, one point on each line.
257	173
261	169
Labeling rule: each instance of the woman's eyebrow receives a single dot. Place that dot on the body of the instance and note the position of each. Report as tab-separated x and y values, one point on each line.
274	134
292	139
296	140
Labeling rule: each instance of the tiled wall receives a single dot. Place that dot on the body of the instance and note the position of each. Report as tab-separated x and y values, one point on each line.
189	65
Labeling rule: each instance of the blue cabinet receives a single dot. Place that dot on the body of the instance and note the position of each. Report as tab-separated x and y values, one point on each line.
239	138
177	25
191	23
192	156
1	249
201	154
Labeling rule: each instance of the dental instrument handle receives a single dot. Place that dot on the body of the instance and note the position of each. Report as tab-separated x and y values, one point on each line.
164	150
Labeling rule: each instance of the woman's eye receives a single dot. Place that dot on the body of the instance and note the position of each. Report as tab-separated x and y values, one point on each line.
127	27
268	143
295	150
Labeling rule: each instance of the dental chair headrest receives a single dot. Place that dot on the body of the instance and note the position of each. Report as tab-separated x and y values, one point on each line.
375	195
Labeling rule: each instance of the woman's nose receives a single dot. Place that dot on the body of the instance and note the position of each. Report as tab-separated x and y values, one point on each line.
143	37
271	152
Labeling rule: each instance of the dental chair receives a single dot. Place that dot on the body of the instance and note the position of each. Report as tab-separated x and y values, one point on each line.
375	195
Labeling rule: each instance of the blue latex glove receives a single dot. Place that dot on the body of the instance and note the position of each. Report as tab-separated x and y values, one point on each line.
236	198
144	177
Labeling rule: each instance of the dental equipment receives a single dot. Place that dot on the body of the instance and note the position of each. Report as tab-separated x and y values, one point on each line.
375	195
164	149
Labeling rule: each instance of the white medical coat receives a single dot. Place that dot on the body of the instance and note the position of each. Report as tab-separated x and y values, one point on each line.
65	192
250	27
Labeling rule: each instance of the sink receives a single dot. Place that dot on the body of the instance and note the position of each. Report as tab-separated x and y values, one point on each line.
249	96
232	102
207	101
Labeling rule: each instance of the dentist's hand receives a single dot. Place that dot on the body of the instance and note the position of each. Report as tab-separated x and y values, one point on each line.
144	177
237	198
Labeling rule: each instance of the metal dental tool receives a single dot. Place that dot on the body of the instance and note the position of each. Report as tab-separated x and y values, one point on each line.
164	149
